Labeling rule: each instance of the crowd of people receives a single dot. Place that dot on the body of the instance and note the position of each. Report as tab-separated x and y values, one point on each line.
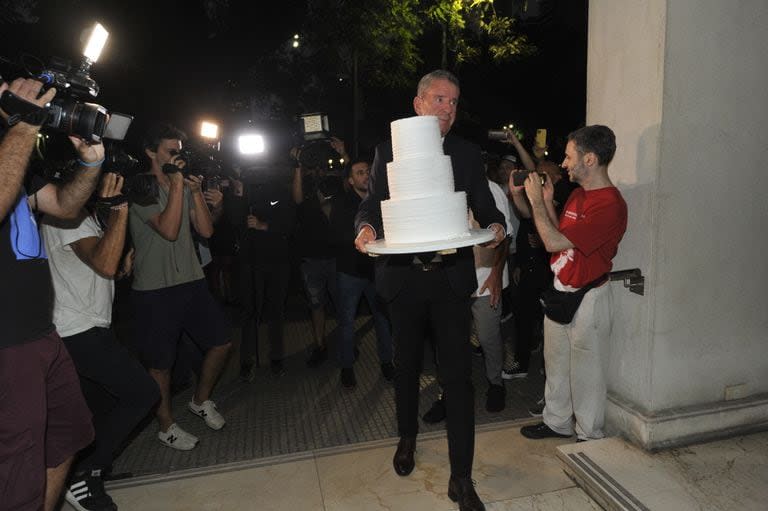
63	245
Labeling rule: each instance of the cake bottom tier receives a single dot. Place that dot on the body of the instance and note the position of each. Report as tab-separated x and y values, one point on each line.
433	218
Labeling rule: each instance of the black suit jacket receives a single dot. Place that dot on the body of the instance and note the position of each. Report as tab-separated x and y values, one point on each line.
468	176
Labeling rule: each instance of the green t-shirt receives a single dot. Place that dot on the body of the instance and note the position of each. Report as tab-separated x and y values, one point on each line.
161	263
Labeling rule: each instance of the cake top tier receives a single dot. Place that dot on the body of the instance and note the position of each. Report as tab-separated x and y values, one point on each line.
416	136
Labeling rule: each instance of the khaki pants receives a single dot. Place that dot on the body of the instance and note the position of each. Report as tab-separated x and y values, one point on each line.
576	357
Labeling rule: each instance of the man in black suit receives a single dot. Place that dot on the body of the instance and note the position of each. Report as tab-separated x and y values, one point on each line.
431	293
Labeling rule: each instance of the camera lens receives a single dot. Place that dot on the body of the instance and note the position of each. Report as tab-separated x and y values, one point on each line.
83	120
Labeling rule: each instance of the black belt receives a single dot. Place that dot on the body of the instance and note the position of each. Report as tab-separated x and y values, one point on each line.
430	266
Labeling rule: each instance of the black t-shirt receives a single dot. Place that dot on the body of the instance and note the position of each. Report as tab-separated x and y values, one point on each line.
27	298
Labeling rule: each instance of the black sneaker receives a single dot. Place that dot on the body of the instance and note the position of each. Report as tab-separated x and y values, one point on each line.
538	409
539	431
495	398
86	493
317	356
514	371
435	414
388	371
348	379
277	368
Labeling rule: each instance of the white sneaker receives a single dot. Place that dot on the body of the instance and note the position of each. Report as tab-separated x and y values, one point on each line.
178	438
207	411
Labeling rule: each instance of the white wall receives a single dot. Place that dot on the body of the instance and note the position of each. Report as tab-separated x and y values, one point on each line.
711	306
684	84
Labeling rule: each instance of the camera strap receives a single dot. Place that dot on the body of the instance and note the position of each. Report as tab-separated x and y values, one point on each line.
19	110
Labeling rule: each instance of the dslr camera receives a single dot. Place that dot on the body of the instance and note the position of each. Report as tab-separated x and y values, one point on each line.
140	188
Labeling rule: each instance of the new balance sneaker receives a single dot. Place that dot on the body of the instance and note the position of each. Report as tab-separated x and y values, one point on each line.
86	493
207	411
177	438
513	372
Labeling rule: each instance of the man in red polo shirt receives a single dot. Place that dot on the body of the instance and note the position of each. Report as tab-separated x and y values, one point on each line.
582	242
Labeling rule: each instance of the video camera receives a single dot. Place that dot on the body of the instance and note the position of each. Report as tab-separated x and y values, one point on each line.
68	112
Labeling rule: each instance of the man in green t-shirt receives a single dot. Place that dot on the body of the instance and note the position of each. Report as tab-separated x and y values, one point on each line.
170	294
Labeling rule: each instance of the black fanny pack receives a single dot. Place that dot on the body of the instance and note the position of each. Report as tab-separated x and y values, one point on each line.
561	306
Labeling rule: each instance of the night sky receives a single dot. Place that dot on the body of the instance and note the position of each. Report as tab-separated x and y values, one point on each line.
169	60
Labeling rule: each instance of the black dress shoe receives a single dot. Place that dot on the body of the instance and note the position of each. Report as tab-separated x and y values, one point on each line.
462	490
435	414
403	460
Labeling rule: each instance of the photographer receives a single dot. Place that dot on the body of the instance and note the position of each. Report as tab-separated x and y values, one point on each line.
169	290
44	420
582	242
84	256
313	192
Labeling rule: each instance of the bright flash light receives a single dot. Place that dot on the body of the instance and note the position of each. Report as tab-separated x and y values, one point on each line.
96	42
251	144
209	130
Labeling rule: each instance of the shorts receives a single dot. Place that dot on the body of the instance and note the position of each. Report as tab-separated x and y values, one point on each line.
44	419
162	315
319	276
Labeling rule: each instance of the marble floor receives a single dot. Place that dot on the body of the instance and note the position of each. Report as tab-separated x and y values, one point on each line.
512	474
721	475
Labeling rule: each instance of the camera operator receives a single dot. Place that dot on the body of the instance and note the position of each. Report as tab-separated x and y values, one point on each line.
84	256
170	294
44	420
315	241
264	219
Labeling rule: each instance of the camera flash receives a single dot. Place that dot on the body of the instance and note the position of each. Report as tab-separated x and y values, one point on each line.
209	130
96	42
251	144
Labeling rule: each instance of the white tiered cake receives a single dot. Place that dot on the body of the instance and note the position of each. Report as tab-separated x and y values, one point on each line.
423	205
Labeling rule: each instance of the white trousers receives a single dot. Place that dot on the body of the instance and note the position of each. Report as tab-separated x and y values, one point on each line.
576	357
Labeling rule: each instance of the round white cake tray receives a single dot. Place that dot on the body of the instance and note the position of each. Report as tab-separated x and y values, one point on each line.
475	237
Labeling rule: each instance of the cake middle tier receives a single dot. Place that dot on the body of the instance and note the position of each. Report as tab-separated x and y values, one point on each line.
422	176
425	219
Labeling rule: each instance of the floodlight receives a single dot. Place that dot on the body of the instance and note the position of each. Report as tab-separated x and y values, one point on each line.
315	126
96	42
209	130
251	143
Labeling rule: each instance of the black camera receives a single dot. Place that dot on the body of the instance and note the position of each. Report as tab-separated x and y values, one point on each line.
138	187
519	177
198	162
69	112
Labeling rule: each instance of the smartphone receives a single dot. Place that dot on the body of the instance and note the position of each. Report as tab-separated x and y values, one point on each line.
118	125
541	138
